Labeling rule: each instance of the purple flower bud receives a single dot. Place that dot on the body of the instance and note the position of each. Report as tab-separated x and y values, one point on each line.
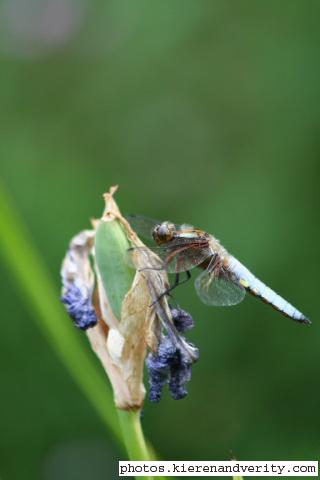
158	377
172	362
179	377
182	319
79	308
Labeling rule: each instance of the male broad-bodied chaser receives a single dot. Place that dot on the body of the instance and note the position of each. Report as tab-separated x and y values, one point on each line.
224	280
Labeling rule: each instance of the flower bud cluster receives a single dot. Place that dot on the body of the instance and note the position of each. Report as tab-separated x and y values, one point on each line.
171	363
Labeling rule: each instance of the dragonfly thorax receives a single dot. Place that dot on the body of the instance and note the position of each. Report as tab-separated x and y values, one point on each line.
164	232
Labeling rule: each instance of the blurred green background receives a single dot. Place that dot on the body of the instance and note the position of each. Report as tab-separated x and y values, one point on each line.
202	111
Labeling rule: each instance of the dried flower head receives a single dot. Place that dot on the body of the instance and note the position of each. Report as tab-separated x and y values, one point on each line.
120	309
78	281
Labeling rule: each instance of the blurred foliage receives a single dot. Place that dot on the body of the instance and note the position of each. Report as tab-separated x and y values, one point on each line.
205	112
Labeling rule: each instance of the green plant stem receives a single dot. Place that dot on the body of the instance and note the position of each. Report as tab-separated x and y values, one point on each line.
133	436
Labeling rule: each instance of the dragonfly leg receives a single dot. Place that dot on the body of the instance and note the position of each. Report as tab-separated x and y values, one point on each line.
177	282
150	268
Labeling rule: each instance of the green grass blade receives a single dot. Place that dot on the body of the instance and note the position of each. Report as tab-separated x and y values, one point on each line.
42	299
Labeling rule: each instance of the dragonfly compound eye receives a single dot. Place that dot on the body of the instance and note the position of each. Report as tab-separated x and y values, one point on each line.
164	232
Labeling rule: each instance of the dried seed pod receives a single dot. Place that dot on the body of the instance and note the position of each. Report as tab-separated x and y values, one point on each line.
120	308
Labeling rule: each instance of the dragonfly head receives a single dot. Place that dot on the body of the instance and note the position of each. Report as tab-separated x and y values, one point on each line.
164	232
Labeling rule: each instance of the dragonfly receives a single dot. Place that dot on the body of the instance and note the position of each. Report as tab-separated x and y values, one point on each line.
223	281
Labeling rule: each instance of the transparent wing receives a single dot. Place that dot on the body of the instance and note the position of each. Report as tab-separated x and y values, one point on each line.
144	257
143	226
219	289
178	257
